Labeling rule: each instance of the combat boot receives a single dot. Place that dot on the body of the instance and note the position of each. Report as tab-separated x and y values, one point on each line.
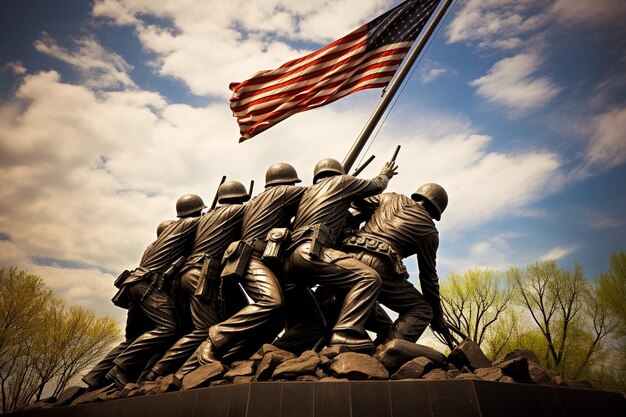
117	376
354	343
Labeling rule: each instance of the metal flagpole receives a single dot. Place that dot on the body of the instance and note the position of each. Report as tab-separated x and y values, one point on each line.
393	87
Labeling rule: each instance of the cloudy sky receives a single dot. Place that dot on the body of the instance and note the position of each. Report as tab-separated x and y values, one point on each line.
112	109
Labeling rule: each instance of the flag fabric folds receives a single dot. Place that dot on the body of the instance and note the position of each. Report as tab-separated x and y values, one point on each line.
366	58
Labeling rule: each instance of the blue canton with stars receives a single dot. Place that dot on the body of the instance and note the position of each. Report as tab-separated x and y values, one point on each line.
400	24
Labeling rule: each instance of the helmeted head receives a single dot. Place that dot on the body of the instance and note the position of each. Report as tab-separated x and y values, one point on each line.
232	192
434	197
327	167
163	225
189	204
281	173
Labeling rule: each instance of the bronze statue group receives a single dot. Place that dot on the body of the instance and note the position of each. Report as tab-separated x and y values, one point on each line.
315	262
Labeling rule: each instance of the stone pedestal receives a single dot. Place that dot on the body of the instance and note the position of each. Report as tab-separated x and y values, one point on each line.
450	398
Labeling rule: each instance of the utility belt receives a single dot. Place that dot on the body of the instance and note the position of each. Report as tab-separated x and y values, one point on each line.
320	236
271	251
157	281
363	241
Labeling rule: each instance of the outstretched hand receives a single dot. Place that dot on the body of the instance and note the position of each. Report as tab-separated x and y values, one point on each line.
389	169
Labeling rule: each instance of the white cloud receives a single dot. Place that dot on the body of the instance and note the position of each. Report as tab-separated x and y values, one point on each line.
607	146
483	185
210	44
99	68
513	83
558	252
16	67
576	12
430	71
95	175
495	23
600	221
87	287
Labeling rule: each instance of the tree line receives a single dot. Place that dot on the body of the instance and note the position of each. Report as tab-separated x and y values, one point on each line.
576	326
44	344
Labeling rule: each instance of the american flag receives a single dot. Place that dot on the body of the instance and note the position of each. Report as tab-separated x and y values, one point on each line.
366	58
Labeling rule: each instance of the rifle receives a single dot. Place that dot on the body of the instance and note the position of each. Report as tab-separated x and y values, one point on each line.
395	154
447	336
251	188
160	280
458	331
363	166
450	341
217	192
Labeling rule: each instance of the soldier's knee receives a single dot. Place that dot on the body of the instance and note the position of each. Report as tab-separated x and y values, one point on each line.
373	279
168	328
272	302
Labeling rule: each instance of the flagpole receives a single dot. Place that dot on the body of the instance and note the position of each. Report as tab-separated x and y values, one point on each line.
392	88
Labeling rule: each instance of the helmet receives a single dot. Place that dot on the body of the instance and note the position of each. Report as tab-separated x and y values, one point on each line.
232	189
163	225
281	173
188	204
435	195
326	167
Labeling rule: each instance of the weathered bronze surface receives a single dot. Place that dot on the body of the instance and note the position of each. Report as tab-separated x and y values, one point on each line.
190	280
152	321
400	227
315	259
258	322
197	287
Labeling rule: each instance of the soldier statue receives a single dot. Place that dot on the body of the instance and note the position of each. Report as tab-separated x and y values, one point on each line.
399	227
198	281
265	228
315	259
151	323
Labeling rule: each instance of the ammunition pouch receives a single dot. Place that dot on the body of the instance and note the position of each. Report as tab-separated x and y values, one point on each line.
173	269
236	259
209	273
320	237
120	299
121	279
278	239
138	274
375	244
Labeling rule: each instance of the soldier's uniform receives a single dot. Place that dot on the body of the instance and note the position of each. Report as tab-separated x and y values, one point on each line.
398	228
198	283
273	208
151	323
315	258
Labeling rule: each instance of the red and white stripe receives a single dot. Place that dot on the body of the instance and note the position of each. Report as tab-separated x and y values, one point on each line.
339	69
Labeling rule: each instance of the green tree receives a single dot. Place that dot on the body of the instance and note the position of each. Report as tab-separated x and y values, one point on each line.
474	302
44	343
612	293
570	324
